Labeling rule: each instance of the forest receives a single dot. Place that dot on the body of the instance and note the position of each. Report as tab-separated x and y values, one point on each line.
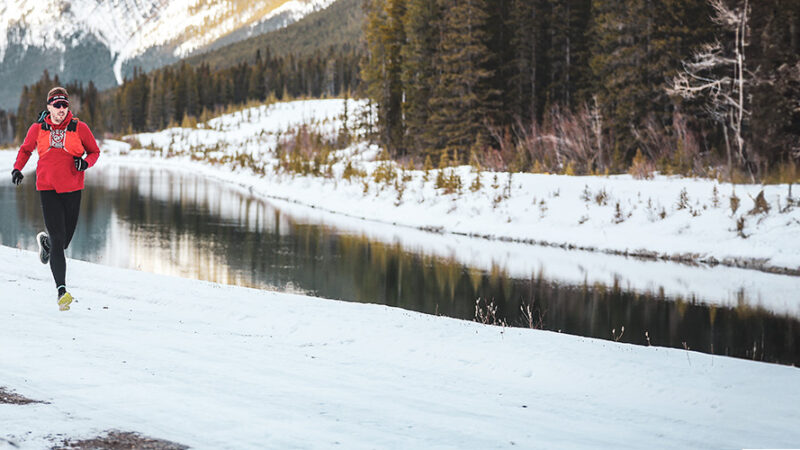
183	94
589	86
692	87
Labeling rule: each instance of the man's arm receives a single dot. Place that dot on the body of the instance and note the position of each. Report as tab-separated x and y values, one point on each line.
27	147
89	143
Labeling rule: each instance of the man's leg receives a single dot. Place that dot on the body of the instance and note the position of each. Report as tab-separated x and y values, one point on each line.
53	212
72	208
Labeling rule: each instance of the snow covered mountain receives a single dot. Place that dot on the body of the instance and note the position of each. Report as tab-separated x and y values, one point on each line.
103	40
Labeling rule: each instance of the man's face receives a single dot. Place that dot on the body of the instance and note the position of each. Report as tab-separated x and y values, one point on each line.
58	111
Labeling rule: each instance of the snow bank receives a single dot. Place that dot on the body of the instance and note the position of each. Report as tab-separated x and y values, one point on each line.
215	366
667	217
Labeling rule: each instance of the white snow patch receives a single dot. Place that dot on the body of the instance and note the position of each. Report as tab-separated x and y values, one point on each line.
214	366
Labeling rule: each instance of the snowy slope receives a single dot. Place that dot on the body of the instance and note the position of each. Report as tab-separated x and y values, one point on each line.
213	366
667	217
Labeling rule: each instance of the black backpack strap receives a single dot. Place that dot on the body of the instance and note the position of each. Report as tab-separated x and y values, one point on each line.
73	125
45	126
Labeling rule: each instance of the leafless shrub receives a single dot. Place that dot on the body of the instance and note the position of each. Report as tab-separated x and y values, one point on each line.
305	151
614	333
569	139
486	313
641	167
532	318
578	142
675	148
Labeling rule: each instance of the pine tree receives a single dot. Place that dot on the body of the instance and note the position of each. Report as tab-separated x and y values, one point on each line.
621	35
419	75
775	121
381	68
393	36
155	103
527	24
501	99
461	100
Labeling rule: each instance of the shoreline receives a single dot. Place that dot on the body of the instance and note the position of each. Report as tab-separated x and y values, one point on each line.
755	263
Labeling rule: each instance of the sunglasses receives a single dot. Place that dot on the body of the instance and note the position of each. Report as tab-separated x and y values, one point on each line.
59	105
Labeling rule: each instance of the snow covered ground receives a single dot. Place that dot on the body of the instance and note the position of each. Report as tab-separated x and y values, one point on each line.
668	217
214	366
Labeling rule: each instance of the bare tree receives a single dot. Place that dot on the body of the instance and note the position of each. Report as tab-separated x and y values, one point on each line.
718	73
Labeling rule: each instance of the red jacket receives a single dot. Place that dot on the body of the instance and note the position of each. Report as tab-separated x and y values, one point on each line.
56	167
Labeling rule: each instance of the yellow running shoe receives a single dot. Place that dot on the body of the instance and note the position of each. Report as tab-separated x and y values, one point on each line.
64	301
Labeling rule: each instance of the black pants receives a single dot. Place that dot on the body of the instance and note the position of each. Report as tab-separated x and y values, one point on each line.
60	217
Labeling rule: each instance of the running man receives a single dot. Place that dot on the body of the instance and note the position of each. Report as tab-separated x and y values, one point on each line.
61	141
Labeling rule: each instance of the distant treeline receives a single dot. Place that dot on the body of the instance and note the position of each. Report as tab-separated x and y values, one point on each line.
181	93
549	83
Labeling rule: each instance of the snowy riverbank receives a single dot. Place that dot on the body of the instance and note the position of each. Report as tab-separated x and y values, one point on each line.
666	217
673	218
213	366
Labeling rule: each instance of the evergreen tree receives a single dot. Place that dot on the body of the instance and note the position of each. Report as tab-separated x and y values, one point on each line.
499	39
461	100
774	51
382	68
90	111
621	34
155	103
527	22
419	75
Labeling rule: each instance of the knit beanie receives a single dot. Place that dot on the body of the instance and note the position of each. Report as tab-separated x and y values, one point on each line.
56	94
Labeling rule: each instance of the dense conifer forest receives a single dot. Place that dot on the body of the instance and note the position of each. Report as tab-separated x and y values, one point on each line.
183	94
695	87
588	86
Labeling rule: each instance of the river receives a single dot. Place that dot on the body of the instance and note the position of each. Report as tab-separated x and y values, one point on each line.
183	225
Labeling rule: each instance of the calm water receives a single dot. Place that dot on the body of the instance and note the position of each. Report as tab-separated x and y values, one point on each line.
180	224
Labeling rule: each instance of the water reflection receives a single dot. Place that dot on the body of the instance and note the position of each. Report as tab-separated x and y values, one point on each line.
181	224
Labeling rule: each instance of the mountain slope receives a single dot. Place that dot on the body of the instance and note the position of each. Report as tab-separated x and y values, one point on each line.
103	40
338	25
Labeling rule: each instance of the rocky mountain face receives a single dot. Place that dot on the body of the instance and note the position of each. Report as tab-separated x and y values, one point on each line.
103	40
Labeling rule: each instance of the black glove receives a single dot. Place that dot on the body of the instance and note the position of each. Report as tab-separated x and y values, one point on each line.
16	177
80	164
